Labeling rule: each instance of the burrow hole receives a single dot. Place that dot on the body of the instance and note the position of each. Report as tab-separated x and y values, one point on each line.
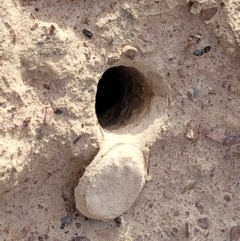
122	94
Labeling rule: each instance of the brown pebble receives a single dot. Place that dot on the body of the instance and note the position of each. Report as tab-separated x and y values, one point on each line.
46	86
235	233
31	238
203	223
190	96
35	26
208	13
27	229
227	197
175	230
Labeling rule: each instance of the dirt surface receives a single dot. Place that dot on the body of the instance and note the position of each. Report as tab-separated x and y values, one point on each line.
52	56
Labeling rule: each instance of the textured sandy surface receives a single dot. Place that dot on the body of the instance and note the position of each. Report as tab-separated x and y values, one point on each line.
47	64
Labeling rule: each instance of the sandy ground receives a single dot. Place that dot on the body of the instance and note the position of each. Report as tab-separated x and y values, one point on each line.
47	64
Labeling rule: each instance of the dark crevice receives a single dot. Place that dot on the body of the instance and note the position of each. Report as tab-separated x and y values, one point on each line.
121	95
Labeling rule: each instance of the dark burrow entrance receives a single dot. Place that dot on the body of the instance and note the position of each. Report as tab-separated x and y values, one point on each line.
122	94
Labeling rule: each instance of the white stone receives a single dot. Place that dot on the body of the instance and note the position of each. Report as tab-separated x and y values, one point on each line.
111	183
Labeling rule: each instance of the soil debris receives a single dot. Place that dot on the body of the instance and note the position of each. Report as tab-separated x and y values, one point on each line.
192	129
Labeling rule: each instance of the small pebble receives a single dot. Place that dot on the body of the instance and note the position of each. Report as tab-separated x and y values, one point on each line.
196	91
235	233
184	100
46	86
207	49
231	140
200	207
87	33
175	230
227	197
203	223
198	52
48	116
190	96
197	37
65	221
208	13
130	52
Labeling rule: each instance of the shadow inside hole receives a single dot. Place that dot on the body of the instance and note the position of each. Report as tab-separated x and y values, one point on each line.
121	95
